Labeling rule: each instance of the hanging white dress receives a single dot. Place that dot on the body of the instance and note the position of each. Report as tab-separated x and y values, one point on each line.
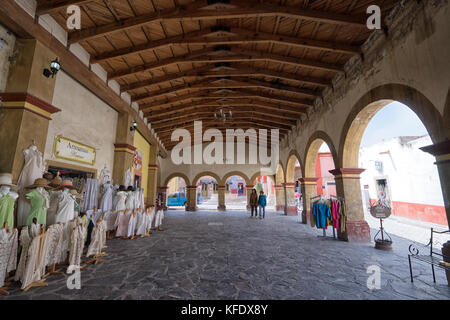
25	241
151	219
66	205
55	234
110	219
121	202
106	203
8	253
76	244
132	225
141	225
130	201
90	195
51	211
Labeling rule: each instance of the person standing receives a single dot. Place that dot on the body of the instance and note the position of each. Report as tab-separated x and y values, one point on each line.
254	202
262	202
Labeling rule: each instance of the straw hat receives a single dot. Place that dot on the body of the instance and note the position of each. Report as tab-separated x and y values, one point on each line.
39	182
75	193
66	184
56	181
6	180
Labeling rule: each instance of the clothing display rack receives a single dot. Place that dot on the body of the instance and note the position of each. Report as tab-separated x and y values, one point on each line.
329	202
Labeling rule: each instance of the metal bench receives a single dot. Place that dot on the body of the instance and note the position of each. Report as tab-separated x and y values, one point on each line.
433	258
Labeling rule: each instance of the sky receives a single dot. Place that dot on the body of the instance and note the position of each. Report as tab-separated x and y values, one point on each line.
394	120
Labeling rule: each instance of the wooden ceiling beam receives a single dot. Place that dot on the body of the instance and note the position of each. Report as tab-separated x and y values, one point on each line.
238	56
206	84
235	36
44	7
208	72
295	111
243	9
234	94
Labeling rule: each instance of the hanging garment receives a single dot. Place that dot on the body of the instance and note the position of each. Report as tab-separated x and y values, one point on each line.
31	272
65	211
33	169
132	225
122	221
121	201
140	223
91	195
106	203
335	214
130	201
102	234
53	207
25	241
38	210
142	200
110	220
97	242
321	212
55	235
76	244
8	253
161	217
151	219
137	200
115	198
35	230
343	215
6	210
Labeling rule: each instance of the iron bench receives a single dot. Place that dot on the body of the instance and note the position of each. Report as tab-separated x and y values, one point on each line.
433	258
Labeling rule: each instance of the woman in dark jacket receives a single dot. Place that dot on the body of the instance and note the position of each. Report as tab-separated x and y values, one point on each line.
254	202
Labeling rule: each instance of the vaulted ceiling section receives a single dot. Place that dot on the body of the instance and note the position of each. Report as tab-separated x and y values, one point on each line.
181	60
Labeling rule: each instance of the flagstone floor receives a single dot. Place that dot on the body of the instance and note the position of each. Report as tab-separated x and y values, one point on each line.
212	255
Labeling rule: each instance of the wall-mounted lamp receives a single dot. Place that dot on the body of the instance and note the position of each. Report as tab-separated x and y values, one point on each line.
133	126
55	66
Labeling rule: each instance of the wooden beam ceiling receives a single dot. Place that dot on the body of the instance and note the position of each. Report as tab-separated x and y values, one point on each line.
243	9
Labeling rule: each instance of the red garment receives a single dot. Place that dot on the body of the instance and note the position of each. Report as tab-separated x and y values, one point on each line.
335	214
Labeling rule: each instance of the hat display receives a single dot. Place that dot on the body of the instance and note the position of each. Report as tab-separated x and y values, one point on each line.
56	181
6	180
66	184
48	176
75	193
39	182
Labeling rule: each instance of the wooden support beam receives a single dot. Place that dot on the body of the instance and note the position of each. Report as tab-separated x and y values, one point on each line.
208	72
50	6
238	56
235	36
191	12
206	84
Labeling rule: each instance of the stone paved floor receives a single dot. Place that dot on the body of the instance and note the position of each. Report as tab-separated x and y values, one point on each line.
211	255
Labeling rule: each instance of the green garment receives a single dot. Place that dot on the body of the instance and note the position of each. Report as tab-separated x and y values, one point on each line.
7	210
37	208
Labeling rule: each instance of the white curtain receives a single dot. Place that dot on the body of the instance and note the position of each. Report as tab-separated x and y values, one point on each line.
91	195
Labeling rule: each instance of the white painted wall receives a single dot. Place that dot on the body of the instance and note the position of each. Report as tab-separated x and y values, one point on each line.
411	173
83	118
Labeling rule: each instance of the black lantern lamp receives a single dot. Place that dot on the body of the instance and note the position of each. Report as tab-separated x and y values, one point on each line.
133	126
55	66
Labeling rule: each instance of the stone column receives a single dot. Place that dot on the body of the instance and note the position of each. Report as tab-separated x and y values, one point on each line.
291	203
279	194
248	191
124	149
309	190
27	105
152	175
163	191
221	198
191	198
348	186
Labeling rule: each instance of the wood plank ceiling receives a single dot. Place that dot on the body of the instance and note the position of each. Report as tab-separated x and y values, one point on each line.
181	60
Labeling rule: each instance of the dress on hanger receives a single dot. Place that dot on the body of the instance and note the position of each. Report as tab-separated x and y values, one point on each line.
123	218
8	253
66	207
140	223
130	201
7	210
53	207
33	169
132	225
25	241
38	210
107	199
121	202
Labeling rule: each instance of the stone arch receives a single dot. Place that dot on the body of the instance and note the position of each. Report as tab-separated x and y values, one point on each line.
177	174
373	101
279	175
290	165
236	173
258	174
207	173
447	116
312	148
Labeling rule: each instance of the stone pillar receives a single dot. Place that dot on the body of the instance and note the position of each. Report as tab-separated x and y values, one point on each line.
441	151
309	190
152	178
279	194
248	191
27	105
291	203
221	198
191	194
163	191
348	186
124	149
